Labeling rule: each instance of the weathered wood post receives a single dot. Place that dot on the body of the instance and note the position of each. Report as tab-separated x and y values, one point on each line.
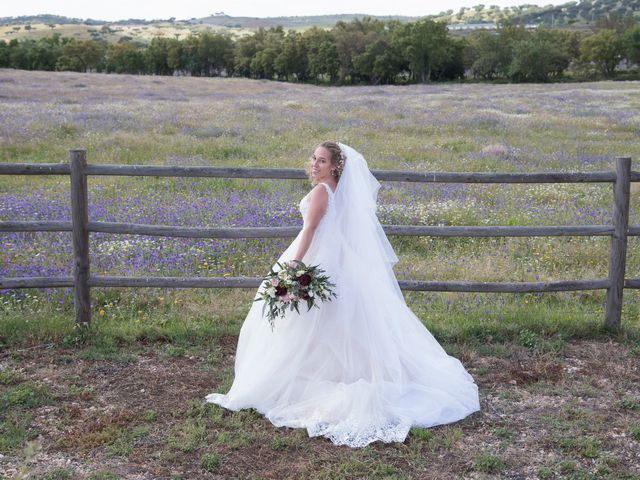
618	254
80	225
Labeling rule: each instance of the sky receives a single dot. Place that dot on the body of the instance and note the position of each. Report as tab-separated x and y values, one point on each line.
185	9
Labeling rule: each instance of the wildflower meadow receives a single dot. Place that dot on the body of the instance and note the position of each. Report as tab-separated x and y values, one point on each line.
129	391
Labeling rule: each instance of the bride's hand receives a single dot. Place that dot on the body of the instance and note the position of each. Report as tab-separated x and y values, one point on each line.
294	263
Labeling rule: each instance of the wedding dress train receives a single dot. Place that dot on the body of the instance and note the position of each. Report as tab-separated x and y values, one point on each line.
362	367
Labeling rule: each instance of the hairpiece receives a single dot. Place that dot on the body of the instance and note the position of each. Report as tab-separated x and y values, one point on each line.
339	163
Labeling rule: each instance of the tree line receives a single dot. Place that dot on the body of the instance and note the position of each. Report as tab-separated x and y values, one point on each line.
363	51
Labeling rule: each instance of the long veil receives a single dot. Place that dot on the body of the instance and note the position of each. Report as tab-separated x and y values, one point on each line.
365	245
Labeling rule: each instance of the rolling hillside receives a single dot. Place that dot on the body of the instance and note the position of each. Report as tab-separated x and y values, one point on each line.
568	15
580	13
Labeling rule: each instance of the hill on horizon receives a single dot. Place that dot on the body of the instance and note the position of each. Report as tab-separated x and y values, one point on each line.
573	14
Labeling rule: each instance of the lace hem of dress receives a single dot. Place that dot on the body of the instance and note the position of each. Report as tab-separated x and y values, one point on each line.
352	435
346	432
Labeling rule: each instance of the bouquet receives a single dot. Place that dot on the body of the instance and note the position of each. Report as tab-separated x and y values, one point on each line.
285	288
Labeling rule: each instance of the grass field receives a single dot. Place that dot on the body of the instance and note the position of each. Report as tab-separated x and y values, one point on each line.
559	395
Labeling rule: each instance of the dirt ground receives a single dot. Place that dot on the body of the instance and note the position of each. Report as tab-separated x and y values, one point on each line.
570	411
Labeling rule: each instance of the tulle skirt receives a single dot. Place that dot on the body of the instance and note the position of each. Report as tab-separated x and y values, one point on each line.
358	369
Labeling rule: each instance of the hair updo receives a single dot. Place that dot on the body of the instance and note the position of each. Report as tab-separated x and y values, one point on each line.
337	158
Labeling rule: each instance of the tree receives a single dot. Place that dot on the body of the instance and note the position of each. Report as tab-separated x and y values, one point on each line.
425	46
351	39
203	54
245	49
488	56
18	54
292	59
255	55
125	58
44	54
604	50
452	66
531	61
269	45
322	55
81	56
29	54
537	58
215	53
377	64
615	21
157	56
572	41
631	45
563	48
5	55
182	57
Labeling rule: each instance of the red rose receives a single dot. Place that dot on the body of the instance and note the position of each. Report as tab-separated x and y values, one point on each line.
304	296
304	279
281	291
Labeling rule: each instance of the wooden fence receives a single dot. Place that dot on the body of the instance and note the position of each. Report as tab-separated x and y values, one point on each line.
80	226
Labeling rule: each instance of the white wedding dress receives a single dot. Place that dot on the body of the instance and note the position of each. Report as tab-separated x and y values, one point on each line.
362	367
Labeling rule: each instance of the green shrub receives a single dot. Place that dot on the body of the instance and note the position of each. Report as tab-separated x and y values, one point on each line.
488	463
210	462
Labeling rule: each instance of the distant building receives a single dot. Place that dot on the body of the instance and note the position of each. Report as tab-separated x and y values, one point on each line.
484	26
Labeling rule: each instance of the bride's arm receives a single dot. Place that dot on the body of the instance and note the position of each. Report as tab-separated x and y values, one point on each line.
318	202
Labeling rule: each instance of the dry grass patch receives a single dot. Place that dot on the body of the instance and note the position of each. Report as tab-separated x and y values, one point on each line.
563	409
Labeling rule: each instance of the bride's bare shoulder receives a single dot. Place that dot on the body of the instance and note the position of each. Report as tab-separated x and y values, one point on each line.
318	198
319	193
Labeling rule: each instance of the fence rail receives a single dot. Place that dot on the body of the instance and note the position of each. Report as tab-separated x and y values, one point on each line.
280	232
294	173
80	226
247	282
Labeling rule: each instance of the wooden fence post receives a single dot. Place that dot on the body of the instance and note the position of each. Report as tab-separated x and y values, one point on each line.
80	225
618	253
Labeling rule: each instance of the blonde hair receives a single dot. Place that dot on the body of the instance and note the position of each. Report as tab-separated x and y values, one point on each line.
337	158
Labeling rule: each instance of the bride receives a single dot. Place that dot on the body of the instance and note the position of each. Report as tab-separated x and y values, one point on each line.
362	367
